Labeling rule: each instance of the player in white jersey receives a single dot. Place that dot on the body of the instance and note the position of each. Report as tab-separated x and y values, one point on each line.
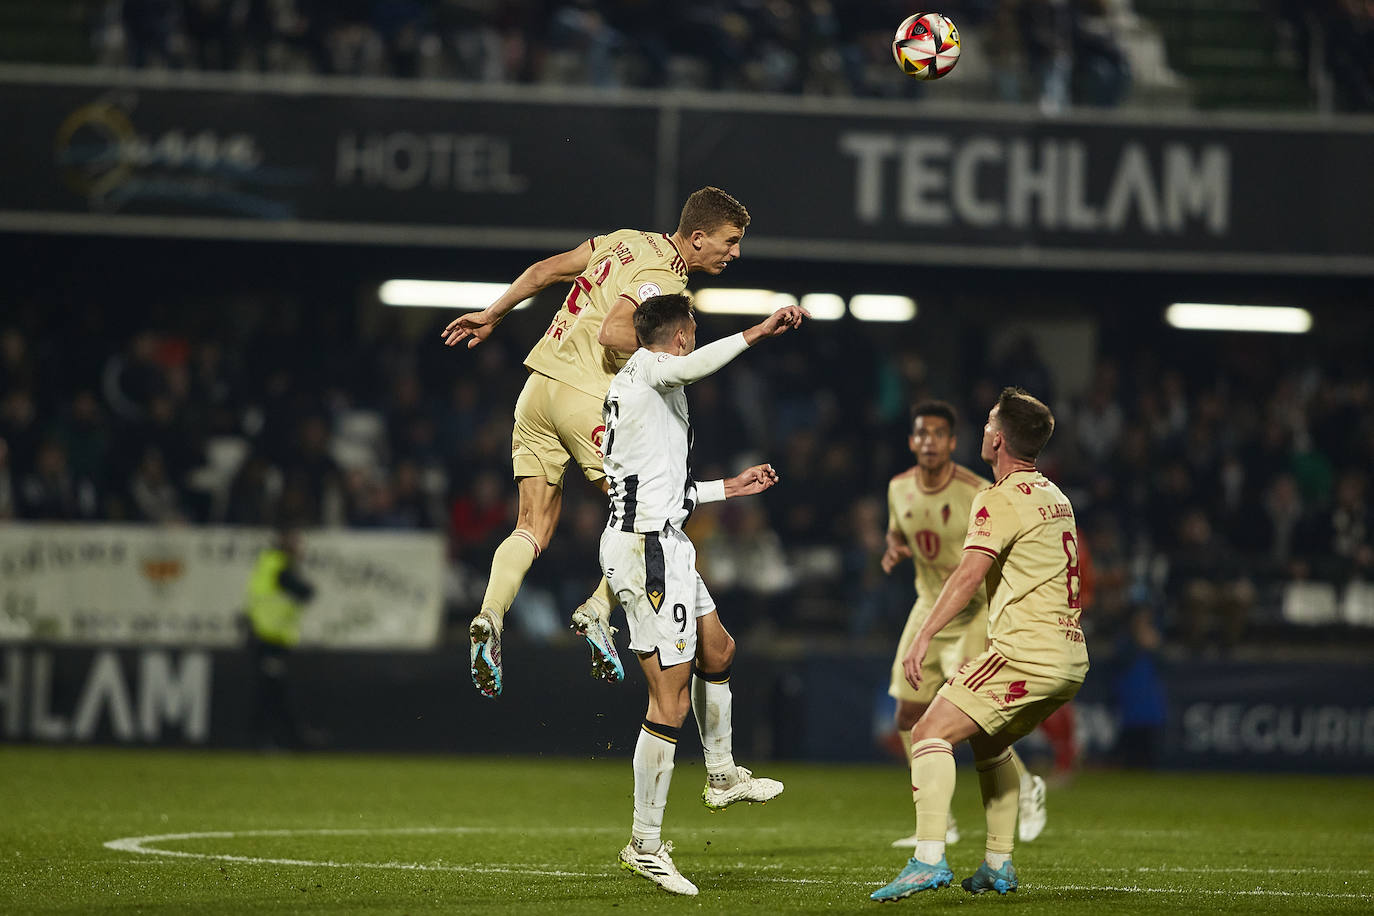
682	647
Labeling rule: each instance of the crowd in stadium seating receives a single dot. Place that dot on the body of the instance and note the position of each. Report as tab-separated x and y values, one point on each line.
1341	33
1053	51
1203	493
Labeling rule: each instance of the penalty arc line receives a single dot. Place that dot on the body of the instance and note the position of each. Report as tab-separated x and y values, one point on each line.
140	845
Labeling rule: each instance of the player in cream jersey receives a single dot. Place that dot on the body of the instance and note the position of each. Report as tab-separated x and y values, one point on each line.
675	631
558	415
1021	542
928	511
627	264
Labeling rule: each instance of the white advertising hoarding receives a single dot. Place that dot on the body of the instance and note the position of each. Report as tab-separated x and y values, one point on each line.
135	584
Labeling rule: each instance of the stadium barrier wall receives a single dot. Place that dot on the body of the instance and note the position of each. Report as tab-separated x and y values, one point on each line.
109	584
449	164
818	706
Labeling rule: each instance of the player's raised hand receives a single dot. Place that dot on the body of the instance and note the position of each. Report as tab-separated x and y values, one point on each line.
750	481
474	328
780	322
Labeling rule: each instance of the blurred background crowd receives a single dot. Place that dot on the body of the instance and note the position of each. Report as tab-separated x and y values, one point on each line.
1057	53
1221	482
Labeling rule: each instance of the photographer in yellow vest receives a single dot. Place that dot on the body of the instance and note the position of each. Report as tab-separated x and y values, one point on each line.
276	591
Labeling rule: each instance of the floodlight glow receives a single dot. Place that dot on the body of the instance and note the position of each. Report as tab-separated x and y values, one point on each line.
823	306
870	307
442	294
741	301
1204	316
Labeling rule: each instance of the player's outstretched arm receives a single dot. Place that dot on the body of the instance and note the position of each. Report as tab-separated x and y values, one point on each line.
954	597
560	268
750	481
671	371
780	322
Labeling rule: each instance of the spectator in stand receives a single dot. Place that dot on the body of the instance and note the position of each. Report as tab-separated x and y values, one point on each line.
1101	70
49	492
1344	535
314	478
7	501
253	493
479	516
1285	531
19	427
148	29
152	495
1208	585
1047	36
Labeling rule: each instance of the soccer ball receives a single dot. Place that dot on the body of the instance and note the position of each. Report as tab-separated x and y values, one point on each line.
926	46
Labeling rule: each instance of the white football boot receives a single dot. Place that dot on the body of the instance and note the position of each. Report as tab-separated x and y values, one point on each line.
658	867
1033	816
747	787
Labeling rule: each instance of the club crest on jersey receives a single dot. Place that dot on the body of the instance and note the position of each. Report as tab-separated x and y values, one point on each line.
649	290
928	542
981	518
681	645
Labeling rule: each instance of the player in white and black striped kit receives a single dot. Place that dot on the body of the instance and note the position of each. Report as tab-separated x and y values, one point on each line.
675	631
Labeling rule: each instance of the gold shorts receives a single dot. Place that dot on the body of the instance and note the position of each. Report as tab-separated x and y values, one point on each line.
554	424
958	640
1004	697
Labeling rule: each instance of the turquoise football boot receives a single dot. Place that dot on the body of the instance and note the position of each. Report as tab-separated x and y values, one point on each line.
916	876
986	878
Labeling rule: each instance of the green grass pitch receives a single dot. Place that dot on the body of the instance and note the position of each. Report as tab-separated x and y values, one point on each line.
143	831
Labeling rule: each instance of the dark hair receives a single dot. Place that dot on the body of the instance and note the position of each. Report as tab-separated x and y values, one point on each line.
659	316
935	409
709	209
1026	422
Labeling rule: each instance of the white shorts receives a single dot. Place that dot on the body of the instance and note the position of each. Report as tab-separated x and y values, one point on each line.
656	580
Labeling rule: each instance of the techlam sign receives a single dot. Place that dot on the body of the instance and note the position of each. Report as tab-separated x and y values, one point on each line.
134	697
990	182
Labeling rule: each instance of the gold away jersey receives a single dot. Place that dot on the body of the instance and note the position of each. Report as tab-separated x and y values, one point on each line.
1026	523
627	263
933	524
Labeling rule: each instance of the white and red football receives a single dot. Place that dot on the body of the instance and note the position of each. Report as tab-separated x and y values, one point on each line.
926	46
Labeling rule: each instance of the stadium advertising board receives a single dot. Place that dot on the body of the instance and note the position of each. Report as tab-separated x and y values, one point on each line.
143	585
243	163
1044	190
393	162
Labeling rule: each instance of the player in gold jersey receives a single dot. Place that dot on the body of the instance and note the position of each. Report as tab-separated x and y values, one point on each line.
1023	542
558	414
928	514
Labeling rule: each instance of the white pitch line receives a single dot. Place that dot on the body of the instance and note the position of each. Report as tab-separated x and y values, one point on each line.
140	845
